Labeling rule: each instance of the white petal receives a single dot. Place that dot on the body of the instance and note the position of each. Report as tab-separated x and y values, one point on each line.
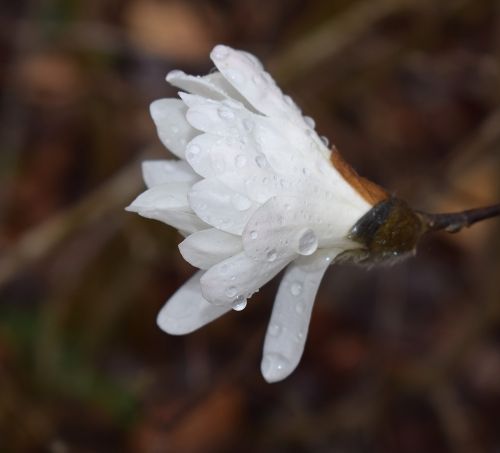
202	86
287	330
187	310
220	207
206	248
289	225
237	278
174	131
157	172
255	84
168	203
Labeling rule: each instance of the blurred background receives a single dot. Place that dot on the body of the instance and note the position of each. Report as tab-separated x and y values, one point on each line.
401	359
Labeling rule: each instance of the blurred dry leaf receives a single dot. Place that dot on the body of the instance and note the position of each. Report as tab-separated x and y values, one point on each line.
49	78
173	30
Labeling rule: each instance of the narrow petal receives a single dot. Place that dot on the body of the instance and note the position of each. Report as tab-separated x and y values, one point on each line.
187	310
169	116
287	330
237	278
206	248
156	172
289	225
256	85
168	203
202	86
223	209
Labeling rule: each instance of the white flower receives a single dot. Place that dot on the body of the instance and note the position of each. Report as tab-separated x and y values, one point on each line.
254	191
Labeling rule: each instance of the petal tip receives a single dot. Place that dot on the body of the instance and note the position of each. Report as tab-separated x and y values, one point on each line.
275	367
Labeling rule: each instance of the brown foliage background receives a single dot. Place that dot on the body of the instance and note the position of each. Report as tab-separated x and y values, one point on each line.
401	359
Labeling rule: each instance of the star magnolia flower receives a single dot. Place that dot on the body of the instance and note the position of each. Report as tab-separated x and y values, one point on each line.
255	190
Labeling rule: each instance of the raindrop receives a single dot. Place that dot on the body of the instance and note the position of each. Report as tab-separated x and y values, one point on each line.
231	292
296	288
193	149
258	79
248	125
325	141
240	161
289	100
234	75
240	202
220	53
310	122
299	308
271	255
308	242
274	330
273	365
260	160
219	165
239	303
225	113
253	235
174	129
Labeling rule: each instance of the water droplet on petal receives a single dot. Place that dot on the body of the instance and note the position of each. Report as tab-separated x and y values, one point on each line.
274	366
234	75
231	292
299	308
240	202
260	160
225	113
325	141
274	330
240	161
296	288
239	303
310	122
307	243
271	255
220	53
253	235
193	149
248	124
174	129
288	100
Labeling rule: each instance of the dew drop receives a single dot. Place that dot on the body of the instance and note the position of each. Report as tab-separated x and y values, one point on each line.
296	288
231	291
260	160
248	124
240	161
288	100
225	113
258	79
271	255
193	149
240	202
274	366
239	303
219	165
174	129
274	330
234	75
253	235
299	308
325	141
307	243
310	122
220	53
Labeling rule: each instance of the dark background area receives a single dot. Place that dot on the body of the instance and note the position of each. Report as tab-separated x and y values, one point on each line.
399	359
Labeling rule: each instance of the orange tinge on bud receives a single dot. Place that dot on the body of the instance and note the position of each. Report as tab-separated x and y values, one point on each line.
370	191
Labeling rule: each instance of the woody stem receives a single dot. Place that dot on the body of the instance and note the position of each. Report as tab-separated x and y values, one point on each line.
454	222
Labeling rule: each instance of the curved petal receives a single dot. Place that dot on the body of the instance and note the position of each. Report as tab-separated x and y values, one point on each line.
156	172
256	85
287	330
169	116
202	86
168	203
238	278
206	248
187	310
289	225
218	206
